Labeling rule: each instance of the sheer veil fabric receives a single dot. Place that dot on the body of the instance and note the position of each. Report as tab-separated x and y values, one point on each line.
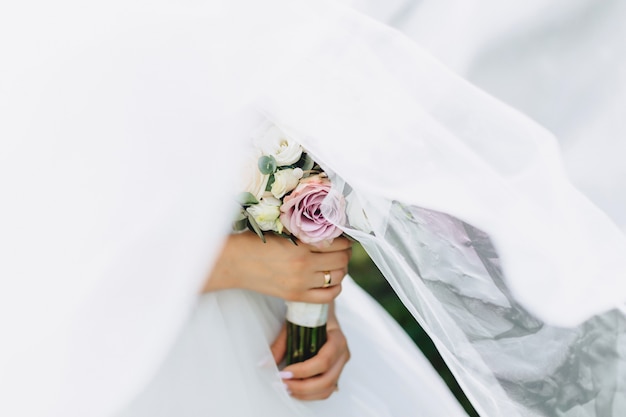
560	62
134	111
563	64
467	209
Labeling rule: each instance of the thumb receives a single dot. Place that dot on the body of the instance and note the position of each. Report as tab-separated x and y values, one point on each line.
279	347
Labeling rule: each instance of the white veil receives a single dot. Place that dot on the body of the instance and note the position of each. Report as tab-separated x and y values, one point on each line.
406	139
560	62
471	218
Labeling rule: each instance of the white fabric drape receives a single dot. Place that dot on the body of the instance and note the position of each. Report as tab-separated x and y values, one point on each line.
115	196
223	353
424	138
111	196
560	62
465	154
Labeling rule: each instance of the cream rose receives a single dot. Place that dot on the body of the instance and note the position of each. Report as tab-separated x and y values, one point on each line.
254	181
285	180
266	213
275	143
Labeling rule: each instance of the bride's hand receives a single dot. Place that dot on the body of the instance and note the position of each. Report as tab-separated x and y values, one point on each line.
280	268
316	378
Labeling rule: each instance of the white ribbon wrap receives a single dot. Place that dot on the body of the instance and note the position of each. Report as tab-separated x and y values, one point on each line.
307	314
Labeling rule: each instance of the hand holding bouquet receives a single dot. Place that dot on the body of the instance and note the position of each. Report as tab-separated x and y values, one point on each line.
289	194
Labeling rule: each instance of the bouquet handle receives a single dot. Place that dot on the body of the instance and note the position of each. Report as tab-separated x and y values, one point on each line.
306	330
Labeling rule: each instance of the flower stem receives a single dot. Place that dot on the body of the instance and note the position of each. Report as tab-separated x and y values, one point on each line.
303	342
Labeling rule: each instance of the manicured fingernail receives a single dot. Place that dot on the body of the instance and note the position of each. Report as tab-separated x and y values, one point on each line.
287	389
285	374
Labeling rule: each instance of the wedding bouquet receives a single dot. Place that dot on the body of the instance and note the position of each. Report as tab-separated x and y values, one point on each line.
290	195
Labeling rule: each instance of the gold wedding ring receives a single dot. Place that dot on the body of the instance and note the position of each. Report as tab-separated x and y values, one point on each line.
327	279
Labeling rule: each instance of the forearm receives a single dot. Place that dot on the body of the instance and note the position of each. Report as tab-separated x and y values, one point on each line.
222	275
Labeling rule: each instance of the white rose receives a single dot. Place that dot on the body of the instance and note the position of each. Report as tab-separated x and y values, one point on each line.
275	143
285	180
266	213
254	181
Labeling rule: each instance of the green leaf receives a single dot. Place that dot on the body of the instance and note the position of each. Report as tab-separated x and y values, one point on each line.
308	162
267	164
256	227
240	222
270	182
240	225
246	199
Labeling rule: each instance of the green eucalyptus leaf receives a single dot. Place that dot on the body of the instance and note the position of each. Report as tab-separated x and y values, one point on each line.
246	199
240	225
267	164
240	222
308	162
256	227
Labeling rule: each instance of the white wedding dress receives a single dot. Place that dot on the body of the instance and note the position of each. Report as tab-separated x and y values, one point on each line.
123	126
221	365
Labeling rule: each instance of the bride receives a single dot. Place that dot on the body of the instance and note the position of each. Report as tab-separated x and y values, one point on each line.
461	201
222	364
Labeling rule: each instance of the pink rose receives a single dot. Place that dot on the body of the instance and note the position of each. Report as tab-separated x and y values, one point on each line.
301	212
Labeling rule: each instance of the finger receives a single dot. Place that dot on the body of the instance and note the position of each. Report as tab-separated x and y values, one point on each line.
317	295
338	244
315	396
324	360
318	387
279	347
336	277
311	273
319	262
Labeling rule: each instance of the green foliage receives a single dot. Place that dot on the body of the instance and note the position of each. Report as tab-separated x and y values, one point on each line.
254	225
240	223
306	162
365	273
246	199
267	164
